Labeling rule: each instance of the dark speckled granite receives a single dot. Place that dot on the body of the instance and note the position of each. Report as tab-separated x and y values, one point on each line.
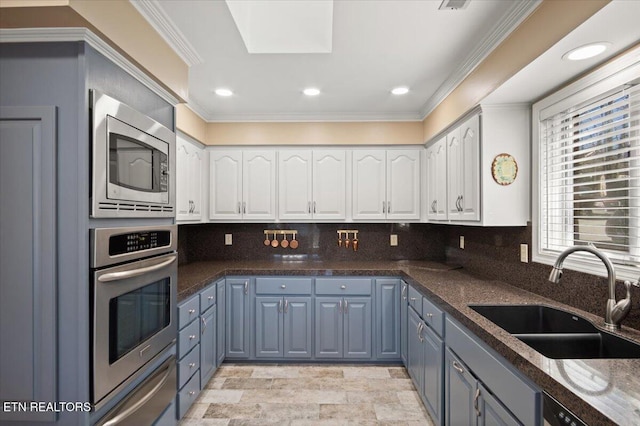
601	392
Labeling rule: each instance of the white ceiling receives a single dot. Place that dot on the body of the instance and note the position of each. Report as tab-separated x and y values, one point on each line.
377	45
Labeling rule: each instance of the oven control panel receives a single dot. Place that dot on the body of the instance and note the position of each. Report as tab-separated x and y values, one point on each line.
138	241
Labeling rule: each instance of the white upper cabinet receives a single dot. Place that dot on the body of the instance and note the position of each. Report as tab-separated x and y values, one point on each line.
465	167
436	184
463	174
312	184
189	163
386	184
242	184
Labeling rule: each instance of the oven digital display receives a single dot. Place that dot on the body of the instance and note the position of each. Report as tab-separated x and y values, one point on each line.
138	241
136	316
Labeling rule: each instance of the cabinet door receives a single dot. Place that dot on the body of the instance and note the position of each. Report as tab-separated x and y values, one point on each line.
415	352
436	192
404	313
268	326
470	180
460	388
329	323
388	327
221	303
237	327
329	184
433	374
28	272
294	184
207	346
403	184
357	327
369	189
297	327
259	184
225	186
183	201
492	412
195	183
455	163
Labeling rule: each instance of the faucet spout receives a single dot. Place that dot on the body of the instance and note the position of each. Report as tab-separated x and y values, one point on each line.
614	314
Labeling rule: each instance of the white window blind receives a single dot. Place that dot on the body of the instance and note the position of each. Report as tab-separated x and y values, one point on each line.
590	176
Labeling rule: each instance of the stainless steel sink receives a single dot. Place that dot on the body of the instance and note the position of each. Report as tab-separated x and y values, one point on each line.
556	333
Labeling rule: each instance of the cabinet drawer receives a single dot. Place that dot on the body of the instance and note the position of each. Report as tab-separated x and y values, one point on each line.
207	298
188	311
433	316
283	286
188	365
415	300
188	338
340	286
188	394
514	391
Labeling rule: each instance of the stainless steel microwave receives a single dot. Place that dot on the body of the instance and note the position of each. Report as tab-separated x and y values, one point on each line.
133	162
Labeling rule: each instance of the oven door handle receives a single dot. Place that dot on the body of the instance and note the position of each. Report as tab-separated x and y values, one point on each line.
123	275
139	403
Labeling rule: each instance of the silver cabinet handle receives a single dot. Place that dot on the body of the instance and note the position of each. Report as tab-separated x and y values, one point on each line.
420	328
123	275
239	210
246	287
314	207
210	298
280	306
346	306
384	206
404	290
475	402
283	286
429	315
244	207
204	325
286	306
388	206
192	336
192	393
413	299
340	306
343	287
458	367
309	207
192	364
192	311
461	203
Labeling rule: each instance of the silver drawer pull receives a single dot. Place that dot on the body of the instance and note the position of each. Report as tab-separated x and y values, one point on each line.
192	393
429	315
283	286
458	367
210	297
192	336
413	299
192	311
343	287
192	364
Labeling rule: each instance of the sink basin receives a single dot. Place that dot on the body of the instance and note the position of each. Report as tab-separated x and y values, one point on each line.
556	333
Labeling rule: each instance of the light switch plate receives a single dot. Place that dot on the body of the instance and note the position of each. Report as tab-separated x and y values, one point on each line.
393	240
462	242
524	253
228	239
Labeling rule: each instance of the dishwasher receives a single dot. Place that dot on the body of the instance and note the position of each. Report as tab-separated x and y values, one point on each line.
555	414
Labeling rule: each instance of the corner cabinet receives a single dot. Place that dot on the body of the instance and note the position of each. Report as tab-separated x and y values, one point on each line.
312	184
386	184
189	164
460	186
242	185
238	318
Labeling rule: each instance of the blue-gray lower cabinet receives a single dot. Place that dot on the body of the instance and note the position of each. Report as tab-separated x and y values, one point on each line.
415	351
221	321
388	327
283	327
343	327
238	325
404	317
460	388
208	355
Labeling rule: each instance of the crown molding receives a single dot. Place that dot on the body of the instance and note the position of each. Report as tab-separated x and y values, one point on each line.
162	23
514	17
70	34
313	117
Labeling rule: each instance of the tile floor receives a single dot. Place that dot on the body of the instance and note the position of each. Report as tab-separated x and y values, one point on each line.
308	395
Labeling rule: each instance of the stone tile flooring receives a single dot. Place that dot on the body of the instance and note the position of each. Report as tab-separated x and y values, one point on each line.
295	395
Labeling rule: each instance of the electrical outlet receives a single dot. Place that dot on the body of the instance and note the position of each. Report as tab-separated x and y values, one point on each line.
228	239
524	253
393	240
462	242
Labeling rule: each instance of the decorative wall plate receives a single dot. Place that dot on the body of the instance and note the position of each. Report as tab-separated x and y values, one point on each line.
504	169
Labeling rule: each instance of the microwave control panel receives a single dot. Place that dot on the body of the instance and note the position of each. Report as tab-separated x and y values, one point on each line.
138	241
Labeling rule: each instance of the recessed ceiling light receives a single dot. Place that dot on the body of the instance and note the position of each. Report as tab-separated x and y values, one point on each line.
585	52
224	92
400	90
311	91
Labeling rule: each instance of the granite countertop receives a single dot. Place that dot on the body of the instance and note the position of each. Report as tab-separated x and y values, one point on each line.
600	391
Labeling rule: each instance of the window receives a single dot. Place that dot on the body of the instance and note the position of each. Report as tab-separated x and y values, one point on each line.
587	150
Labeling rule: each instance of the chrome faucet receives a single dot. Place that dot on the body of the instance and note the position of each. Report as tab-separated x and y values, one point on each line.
616	311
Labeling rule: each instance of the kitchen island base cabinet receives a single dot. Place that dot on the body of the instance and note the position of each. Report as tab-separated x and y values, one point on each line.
238	325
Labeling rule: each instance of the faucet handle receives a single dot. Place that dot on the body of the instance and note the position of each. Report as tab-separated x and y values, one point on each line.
636	284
